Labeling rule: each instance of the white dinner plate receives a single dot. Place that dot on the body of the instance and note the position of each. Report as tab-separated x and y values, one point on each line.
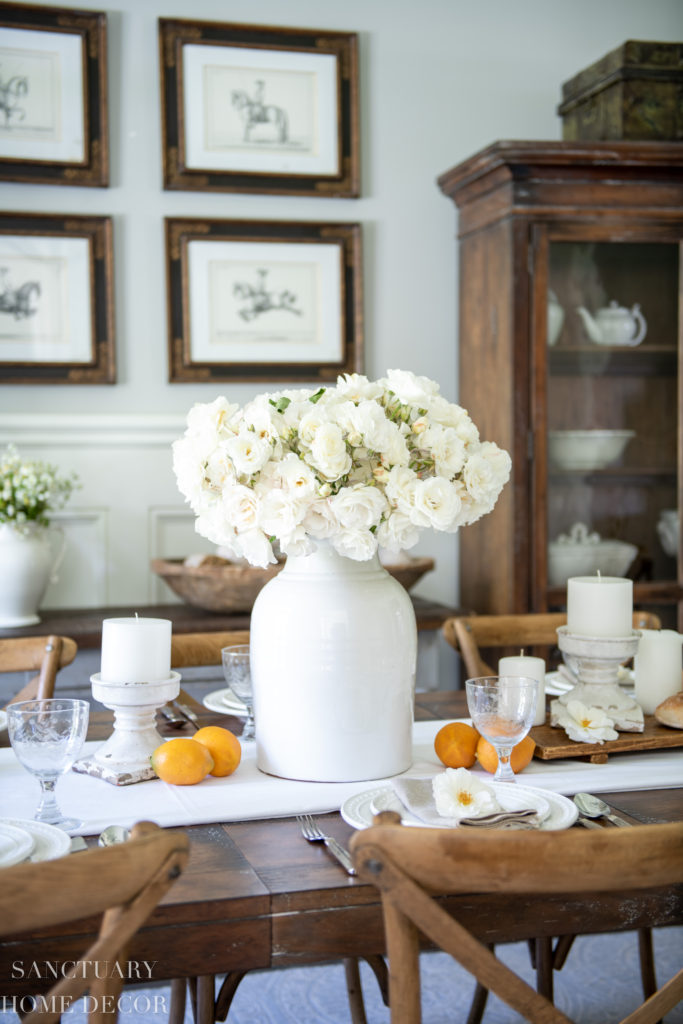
225	703
557	684
49	842
15	844
3	721
358	811
510	798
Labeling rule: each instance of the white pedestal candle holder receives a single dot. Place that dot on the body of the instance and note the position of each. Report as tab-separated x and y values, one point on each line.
124	758
595	661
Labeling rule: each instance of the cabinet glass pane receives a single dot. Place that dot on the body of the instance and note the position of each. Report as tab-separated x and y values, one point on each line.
613	367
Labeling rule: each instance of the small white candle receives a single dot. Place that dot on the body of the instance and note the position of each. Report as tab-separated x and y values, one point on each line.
136	650
599	606
534	668
657	667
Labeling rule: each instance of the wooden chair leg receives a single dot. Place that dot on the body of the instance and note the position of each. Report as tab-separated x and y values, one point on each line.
176	1013
561	951
378	966
204	1013
354	990
226	993
479	999
544	967
647	962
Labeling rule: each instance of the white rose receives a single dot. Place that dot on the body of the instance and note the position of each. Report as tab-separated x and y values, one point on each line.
356	387
319	520
297	543
436	504
328	452
357	544
256	548
359	507
409	388
240	507
446	448
486	471
401	487
211	419
248	451
188	466
220	471
296	476
398	533
280	512
310	423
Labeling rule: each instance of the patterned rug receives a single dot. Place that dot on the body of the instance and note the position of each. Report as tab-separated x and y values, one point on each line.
600	982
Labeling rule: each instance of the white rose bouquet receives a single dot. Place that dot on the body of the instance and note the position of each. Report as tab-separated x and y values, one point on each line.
361	464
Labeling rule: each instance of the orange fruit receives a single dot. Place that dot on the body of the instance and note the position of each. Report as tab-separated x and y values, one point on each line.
224	747
519	759
456	744
182	762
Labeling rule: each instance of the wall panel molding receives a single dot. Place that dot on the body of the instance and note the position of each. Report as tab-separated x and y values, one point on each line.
94	431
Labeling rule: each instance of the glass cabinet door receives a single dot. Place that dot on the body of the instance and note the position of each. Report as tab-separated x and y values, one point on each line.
613	418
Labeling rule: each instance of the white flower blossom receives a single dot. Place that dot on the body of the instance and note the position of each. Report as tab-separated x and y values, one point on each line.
588	725
458	794
354	464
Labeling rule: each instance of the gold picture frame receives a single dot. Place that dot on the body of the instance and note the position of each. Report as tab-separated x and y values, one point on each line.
254	108
263	300
53	96
56	299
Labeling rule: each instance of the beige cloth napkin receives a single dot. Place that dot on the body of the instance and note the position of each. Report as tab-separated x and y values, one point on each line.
417	797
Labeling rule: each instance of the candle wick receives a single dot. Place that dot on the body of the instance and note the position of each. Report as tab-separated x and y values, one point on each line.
599	576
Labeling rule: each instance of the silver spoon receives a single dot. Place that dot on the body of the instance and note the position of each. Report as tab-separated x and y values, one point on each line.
113	834
593	807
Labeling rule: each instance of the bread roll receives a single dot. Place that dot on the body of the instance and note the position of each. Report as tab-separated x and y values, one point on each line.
670	711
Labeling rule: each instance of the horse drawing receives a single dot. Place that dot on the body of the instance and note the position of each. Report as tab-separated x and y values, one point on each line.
258	114
21	302
11	93
260	300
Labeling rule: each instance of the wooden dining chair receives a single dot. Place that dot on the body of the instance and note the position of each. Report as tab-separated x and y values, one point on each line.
471	635
123	883
410	866
195	650
45	655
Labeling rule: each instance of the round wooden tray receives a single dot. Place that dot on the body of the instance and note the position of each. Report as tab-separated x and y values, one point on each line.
226	587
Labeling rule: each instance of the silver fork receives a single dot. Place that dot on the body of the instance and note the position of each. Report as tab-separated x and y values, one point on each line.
313	833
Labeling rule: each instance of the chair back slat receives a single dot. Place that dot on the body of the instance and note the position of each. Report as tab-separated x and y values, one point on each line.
43	654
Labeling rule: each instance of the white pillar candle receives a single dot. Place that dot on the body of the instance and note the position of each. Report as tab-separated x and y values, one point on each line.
657	667
599	606
533	668
136	650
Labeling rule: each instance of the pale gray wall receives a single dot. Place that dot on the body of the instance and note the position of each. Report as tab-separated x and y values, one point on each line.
439	79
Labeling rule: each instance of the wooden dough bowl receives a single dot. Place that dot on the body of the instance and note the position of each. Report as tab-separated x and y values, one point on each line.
226	587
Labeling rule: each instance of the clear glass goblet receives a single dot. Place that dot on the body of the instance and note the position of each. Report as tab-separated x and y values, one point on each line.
237	672
47	737
502	709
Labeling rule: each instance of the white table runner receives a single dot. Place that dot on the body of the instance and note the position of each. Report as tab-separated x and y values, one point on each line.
251	794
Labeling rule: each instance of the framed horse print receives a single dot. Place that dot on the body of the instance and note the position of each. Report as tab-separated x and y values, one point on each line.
263	300
53	96
56	299
252	108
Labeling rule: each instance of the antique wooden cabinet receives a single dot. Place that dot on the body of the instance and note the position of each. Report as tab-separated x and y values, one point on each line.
568	251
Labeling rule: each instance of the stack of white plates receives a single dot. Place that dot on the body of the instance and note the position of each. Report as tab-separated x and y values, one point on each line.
225	703
23	839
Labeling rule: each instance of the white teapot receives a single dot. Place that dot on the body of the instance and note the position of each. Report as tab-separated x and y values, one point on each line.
615	325
555	318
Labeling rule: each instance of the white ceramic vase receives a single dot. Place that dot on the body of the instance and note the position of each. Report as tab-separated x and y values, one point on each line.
27	562
333	657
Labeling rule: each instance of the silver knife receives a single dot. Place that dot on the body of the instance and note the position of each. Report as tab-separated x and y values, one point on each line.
342	855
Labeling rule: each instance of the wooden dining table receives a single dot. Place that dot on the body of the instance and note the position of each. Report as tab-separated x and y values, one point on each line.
256	895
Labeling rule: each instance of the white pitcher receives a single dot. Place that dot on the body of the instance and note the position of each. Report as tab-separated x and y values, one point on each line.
657	666
29	560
